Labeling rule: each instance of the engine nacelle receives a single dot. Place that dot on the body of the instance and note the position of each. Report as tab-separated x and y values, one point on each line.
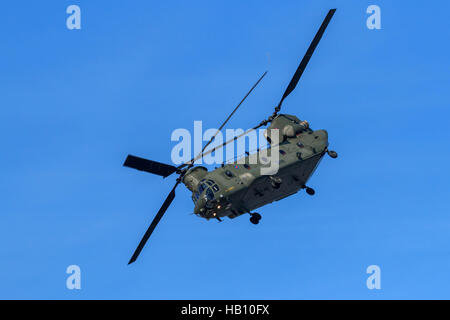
289	126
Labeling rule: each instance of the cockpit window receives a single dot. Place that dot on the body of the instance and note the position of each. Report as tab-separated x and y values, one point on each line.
201	188
213	185
209	194
207	184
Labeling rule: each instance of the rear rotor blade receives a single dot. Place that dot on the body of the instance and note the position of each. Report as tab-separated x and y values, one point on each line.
150	166
154	223
307	56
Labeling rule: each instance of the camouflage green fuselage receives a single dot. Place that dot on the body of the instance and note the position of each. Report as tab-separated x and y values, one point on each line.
235	189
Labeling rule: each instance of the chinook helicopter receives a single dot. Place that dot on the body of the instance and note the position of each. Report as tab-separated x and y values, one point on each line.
232	190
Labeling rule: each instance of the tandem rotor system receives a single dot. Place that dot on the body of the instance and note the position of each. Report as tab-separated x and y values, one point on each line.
166	170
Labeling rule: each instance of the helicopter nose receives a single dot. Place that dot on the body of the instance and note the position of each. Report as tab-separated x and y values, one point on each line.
199	205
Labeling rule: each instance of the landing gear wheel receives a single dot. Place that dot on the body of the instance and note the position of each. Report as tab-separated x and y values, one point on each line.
332	154
310	191
255	217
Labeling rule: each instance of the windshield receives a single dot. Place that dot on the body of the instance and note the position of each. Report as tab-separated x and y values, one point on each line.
205	184
210	186
209	194
202	187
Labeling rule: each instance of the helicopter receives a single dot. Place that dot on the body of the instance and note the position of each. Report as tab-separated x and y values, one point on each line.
233	190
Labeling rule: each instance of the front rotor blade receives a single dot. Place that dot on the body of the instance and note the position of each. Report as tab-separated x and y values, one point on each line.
307	56
191	162
150	166
204	153
237	107
154	223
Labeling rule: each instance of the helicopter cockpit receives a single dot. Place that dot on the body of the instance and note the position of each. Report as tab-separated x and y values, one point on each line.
209	187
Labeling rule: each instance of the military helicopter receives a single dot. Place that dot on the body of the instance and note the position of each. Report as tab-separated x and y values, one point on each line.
232	190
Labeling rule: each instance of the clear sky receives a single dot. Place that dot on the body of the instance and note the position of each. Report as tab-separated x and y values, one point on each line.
74	103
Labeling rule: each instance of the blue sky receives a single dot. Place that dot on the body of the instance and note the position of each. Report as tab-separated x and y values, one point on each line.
75	103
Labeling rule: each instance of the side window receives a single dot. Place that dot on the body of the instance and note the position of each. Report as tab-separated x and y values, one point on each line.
215	188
